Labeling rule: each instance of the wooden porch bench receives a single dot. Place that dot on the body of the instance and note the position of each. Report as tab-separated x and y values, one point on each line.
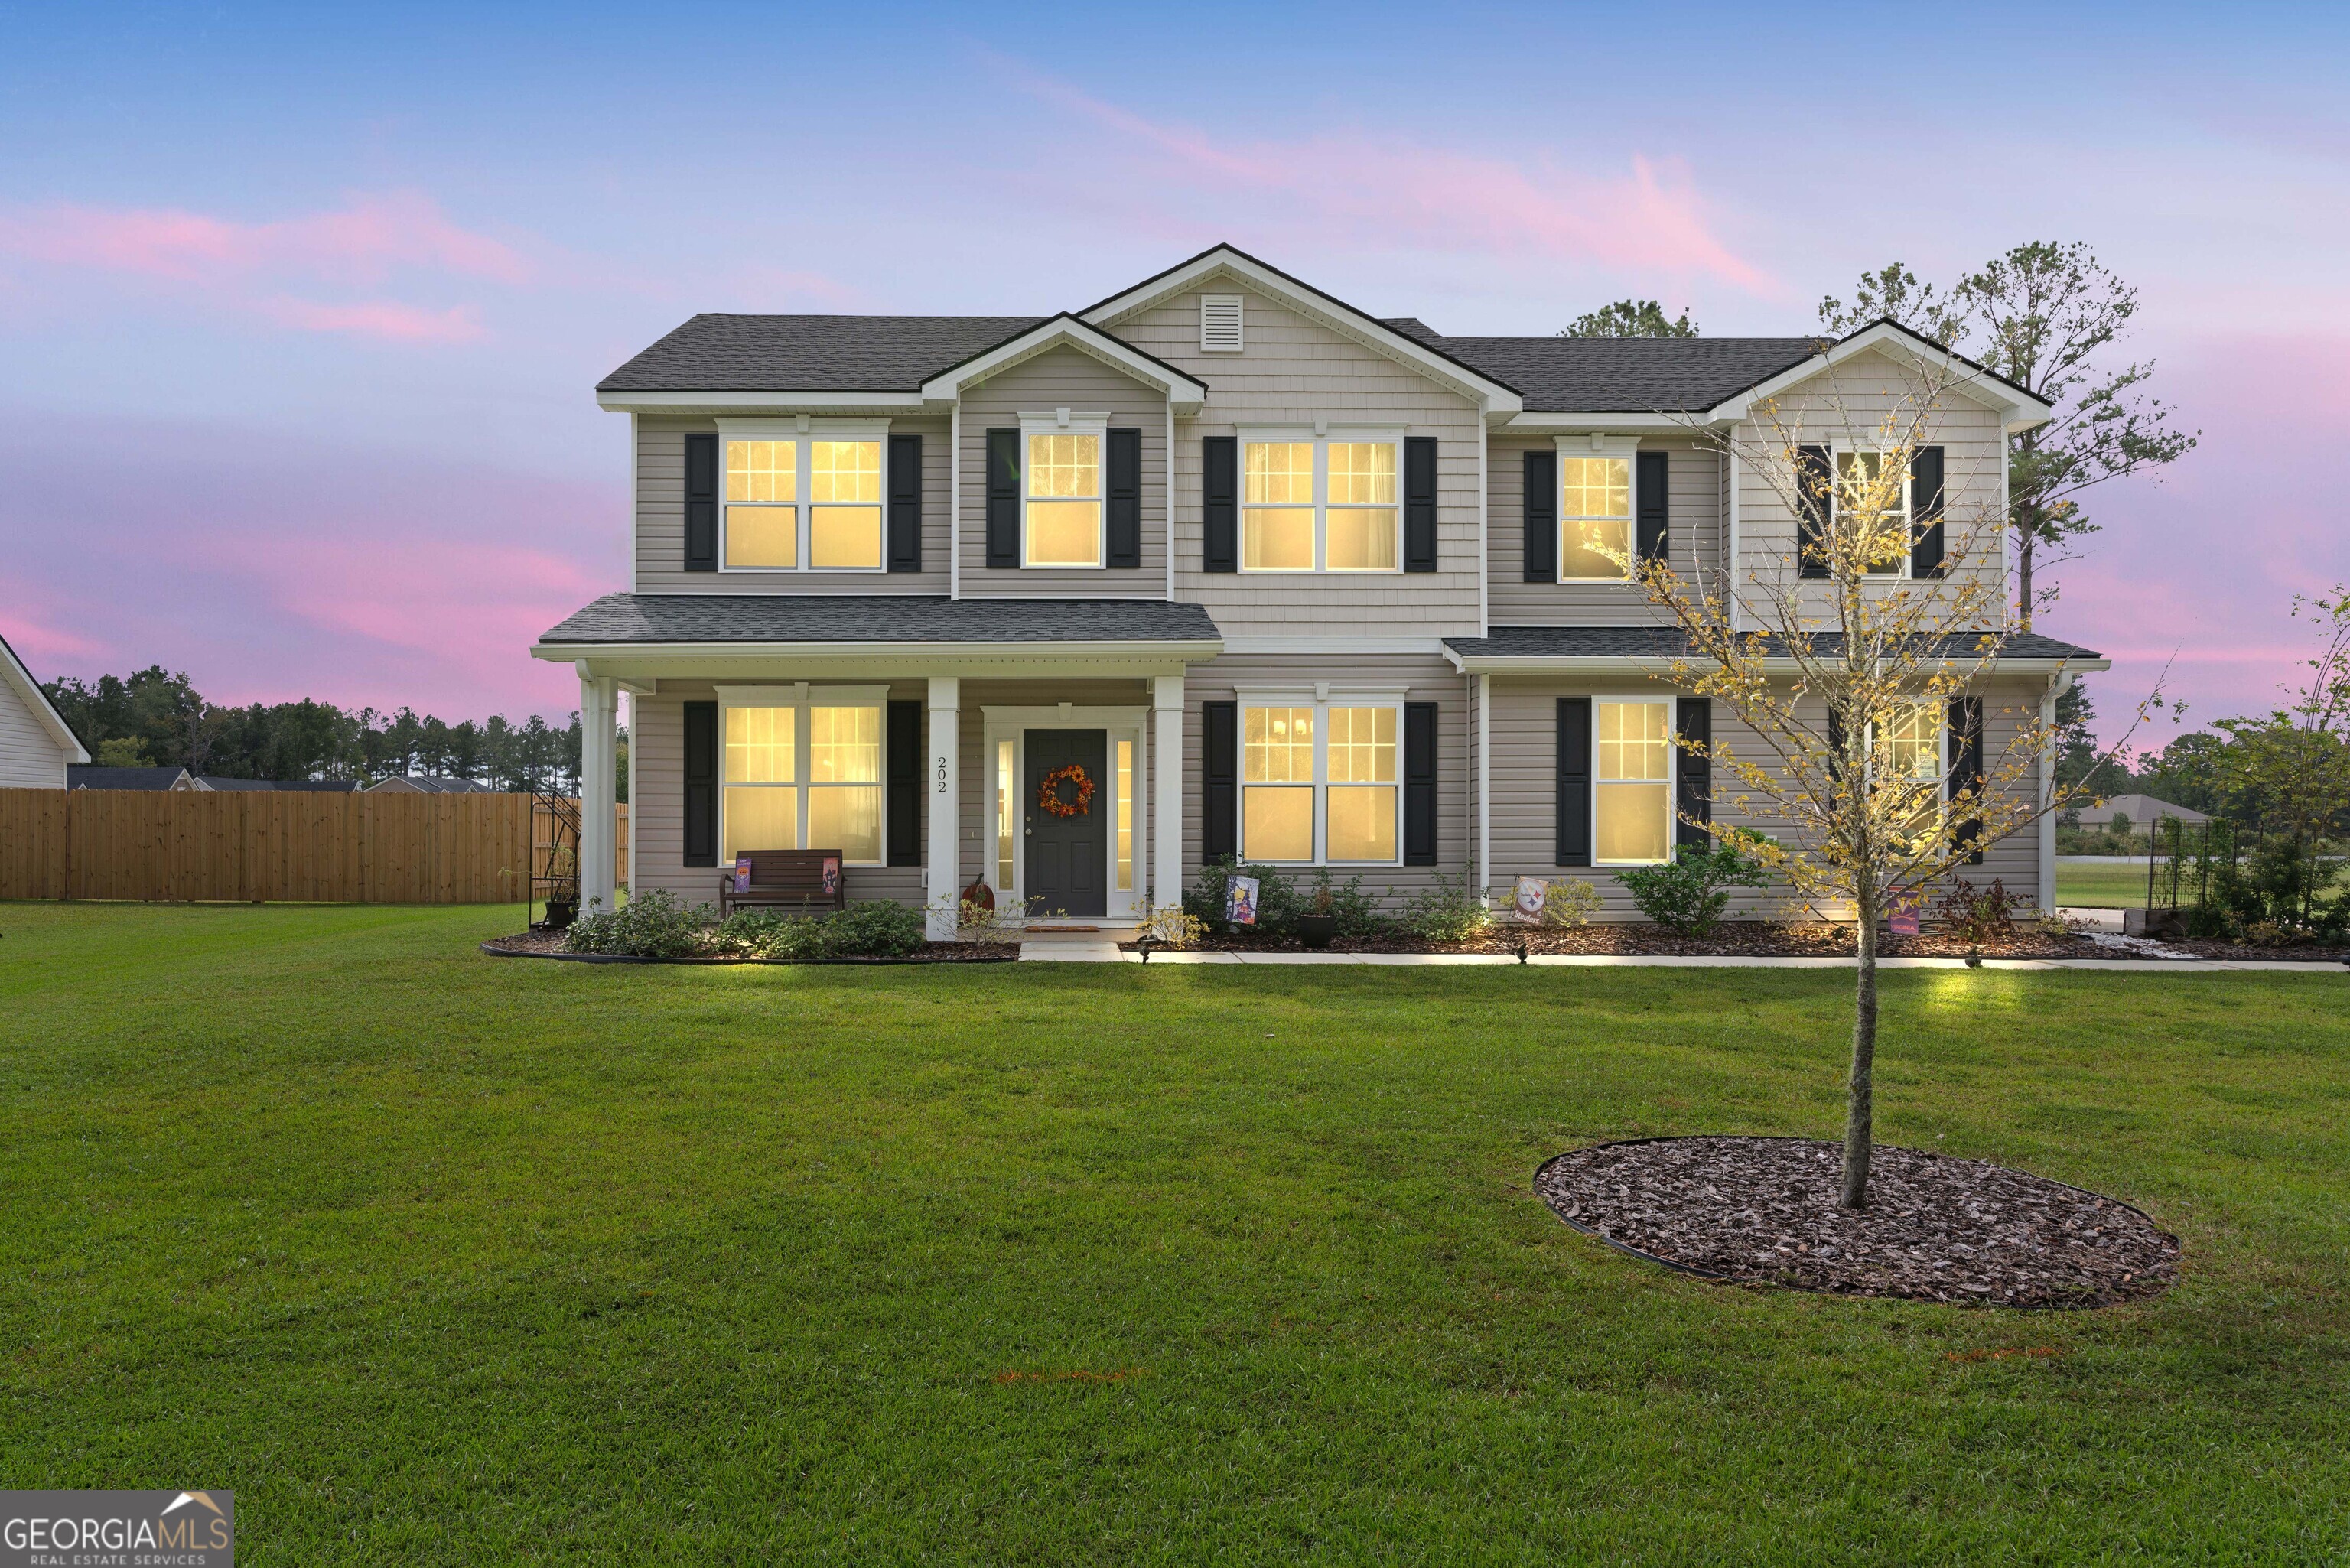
793	878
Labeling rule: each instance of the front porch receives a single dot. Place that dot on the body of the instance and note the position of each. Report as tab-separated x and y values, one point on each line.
928	768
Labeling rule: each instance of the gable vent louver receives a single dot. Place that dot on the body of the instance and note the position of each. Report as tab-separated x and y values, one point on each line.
1220	324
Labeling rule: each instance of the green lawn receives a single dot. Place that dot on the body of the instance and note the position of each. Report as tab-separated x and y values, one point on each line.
433	1258
2117	887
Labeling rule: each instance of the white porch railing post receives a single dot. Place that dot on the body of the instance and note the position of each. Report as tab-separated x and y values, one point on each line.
942	789
598	705
1167	792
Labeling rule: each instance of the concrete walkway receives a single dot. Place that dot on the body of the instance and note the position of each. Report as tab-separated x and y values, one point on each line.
1105	953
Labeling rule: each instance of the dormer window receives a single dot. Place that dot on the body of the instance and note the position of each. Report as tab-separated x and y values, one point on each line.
802	500
1220	324
1061	482
1857	473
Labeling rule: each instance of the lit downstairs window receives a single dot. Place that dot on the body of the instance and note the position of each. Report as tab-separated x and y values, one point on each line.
1632	785
801	776
1318	782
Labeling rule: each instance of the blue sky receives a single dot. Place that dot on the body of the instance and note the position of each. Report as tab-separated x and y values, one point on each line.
300	310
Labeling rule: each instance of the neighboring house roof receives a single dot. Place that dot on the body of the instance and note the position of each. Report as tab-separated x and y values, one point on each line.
93	776
1630	375
427	783
1656	642
14	673
2141	809
715	353
876	618
312	786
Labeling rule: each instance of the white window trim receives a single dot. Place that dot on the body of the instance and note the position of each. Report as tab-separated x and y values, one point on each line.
803	430
1938	716
1064	421
1319	437
1596	444
803	696
1000	724
1321	697
1672	780
1837	452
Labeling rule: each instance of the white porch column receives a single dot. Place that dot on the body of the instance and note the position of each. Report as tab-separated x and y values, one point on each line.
2047	782
599	700
943	790
1167	790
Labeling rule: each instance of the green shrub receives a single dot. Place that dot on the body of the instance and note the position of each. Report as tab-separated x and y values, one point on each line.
1353	912
1689	892
1449	912
880	928
1571	902
650	925
1980	915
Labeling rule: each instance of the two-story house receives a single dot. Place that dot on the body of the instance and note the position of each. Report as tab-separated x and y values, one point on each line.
1220	564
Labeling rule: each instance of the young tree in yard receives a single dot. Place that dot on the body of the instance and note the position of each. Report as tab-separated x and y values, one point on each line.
1848	676
2291	769
1631	318
2042	316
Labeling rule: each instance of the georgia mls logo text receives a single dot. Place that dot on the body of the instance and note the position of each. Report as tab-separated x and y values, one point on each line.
118	1530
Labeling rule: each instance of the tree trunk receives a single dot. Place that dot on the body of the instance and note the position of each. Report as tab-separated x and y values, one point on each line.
2024	581
1860	1105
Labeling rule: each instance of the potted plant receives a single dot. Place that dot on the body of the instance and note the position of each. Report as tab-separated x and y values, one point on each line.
1318	925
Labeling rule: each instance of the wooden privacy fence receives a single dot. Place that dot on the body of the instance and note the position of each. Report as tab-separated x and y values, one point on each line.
245	845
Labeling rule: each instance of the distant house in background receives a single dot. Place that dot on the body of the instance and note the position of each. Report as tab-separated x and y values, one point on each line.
307	786
2141	810
424	785
36	745
97	776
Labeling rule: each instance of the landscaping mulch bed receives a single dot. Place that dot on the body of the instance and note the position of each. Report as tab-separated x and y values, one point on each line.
1763	1211
541	943
1750	939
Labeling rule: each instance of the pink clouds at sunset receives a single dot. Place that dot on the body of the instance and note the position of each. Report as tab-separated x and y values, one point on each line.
1385	190
365	242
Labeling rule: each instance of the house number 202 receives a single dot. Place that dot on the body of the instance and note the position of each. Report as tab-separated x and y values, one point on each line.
942	775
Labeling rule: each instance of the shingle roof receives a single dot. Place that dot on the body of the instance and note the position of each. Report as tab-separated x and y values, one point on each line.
99	776
1629	375
878	618
714	353
308	786
1671	642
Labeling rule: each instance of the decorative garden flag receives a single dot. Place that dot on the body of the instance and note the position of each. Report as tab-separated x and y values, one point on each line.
1903	921
1240	900
831	875
741	873
1533	893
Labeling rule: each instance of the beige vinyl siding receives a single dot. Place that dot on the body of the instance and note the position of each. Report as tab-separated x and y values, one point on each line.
1292	372
1425	680
1064	377
660	522
1694	502
30	757
1525	800
1842	407
657	811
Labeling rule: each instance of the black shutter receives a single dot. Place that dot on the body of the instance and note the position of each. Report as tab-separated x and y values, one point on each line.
1574	781
1815	488
1420	784
905	765
1542	518
1926	520
1967	767
905	503
1220	504
702	509
1419	509
1835	744
1124	490
1003	498
1655	512
1220	780
1694	773
701	783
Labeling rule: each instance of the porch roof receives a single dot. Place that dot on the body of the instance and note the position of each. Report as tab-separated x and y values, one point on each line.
867	619
1541	647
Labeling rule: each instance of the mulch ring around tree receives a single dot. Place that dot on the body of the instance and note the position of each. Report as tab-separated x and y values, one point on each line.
1763	1211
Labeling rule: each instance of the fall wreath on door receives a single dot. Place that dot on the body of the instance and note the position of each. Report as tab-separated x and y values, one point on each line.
1049	793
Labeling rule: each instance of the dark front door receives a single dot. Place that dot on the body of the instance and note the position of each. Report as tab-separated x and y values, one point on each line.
1062	868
